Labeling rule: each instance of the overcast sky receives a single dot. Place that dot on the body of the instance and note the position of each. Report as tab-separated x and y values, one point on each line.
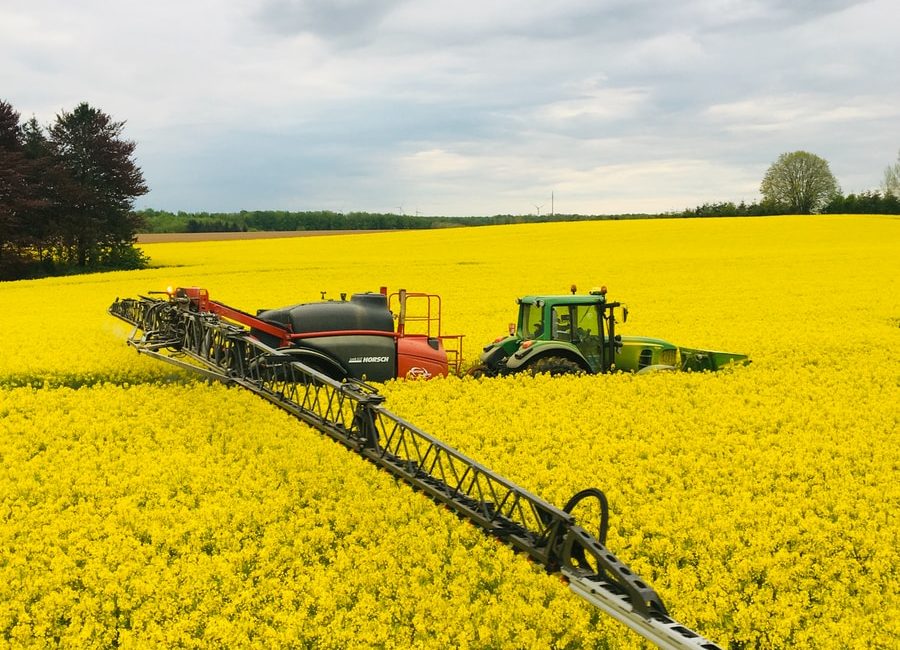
454	107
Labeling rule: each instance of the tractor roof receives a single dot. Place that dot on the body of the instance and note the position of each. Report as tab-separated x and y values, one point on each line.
566	299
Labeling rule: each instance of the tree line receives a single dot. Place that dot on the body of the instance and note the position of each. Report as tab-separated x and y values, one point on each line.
867	202
802	183
66	194
160	221
796	183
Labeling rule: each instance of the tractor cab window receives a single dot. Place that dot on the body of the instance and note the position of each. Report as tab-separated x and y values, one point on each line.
586	321
561	324
532	321
588	336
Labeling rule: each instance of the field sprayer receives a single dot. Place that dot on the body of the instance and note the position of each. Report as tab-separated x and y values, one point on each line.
209	341
577	333
344	339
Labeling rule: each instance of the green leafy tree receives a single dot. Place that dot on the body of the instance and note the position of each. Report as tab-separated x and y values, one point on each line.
799	182
891	184
95	200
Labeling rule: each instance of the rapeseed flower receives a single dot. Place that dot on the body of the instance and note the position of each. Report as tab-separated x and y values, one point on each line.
143	507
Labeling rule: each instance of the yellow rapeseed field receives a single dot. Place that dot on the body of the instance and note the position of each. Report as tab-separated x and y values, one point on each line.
141	507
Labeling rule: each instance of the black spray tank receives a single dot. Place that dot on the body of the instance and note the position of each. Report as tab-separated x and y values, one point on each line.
352	338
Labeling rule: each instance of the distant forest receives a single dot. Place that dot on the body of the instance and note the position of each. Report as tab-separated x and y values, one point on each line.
160	221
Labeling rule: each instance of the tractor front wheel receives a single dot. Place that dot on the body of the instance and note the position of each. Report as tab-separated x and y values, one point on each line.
479	371
555	366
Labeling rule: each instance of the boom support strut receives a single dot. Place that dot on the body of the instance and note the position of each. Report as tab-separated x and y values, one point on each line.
352	413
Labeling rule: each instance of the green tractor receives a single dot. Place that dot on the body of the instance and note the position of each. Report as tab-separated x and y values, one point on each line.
577	333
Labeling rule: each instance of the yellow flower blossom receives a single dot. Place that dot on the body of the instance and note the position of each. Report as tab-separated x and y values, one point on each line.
143	507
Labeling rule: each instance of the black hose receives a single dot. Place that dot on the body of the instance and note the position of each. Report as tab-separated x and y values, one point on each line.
604	509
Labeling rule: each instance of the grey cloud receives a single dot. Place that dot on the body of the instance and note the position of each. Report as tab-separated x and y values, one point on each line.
469	106
343	20
612	22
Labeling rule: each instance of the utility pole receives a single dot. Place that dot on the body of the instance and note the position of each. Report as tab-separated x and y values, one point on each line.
552	207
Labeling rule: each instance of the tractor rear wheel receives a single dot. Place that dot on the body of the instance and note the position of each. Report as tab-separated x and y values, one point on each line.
555	366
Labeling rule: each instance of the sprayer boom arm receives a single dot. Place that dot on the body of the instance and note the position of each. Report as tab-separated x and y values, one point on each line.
352	413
